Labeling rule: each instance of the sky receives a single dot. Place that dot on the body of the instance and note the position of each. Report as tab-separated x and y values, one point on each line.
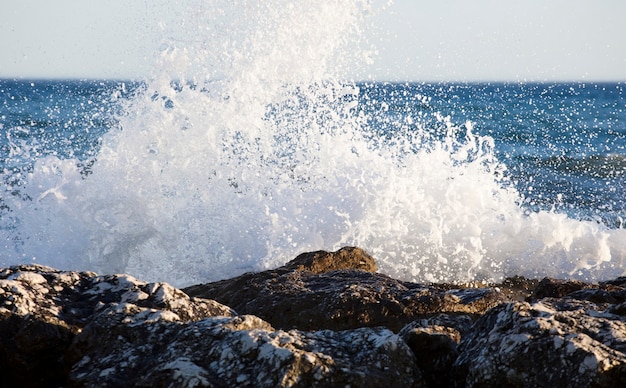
443	40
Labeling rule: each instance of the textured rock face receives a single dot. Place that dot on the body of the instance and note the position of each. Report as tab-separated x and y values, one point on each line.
60	328
233	351
322	261
434	341
548	343
325	319
295	297
43	309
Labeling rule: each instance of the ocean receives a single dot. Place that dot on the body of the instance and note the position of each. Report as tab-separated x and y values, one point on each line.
215	165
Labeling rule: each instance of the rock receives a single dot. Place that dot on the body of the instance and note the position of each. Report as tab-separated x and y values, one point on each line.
595	295
324	319
619	282
65	328
434	342
518	288
42	309
552	342
341	299
608	292
556	288
130	346
322	261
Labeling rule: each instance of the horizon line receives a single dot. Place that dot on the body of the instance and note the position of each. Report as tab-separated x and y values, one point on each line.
357	81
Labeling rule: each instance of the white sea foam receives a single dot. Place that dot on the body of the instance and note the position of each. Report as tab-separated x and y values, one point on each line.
245	150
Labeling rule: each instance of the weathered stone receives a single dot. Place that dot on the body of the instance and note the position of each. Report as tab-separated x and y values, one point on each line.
341	300
608	292
619	282
549	343
595	295
557	288
518	288
42	309
322	261
131	346
63	328
434	342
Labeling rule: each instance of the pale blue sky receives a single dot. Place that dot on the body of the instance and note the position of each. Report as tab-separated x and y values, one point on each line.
531	40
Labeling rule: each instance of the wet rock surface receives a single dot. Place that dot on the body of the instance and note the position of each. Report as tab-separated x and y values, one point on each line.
42	310
324	319
233	351
342	299
551	342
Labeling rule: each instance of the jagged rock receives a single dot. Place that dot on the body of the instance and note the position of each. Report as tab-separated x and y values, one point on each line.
131	346
620	282
557	288
459	322
42	309
553	342
518	288
63	328
322	261
434	342
340	300
608	292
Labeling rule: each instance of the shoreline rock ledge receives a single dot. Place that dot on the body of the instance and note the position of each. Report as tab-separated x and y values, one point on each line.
325	319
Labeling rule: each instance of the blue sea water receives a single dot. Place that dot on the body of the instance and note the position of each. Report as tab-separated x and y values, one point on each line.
564	144
247	145
561	147
63	118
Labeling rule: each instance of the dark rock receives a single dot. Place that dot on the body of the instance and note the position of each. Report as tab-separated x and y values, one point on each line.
556	288
31	350
617	309
608	292
322	261
594	295
63	328
434	342
518	288
619	282
341	300
459	322
549	343
42	309
131	346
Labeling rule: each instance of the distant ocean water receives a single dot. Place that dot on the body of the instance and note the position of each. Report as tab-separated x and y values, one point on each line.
221	163
561	147
564	144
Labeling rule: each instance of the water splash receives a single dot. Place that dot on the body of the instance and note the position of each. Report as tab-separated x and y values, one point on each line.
245	149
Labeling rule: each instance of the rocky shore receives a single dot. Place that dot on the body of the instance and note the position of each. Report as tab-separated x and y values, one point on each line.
324	319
